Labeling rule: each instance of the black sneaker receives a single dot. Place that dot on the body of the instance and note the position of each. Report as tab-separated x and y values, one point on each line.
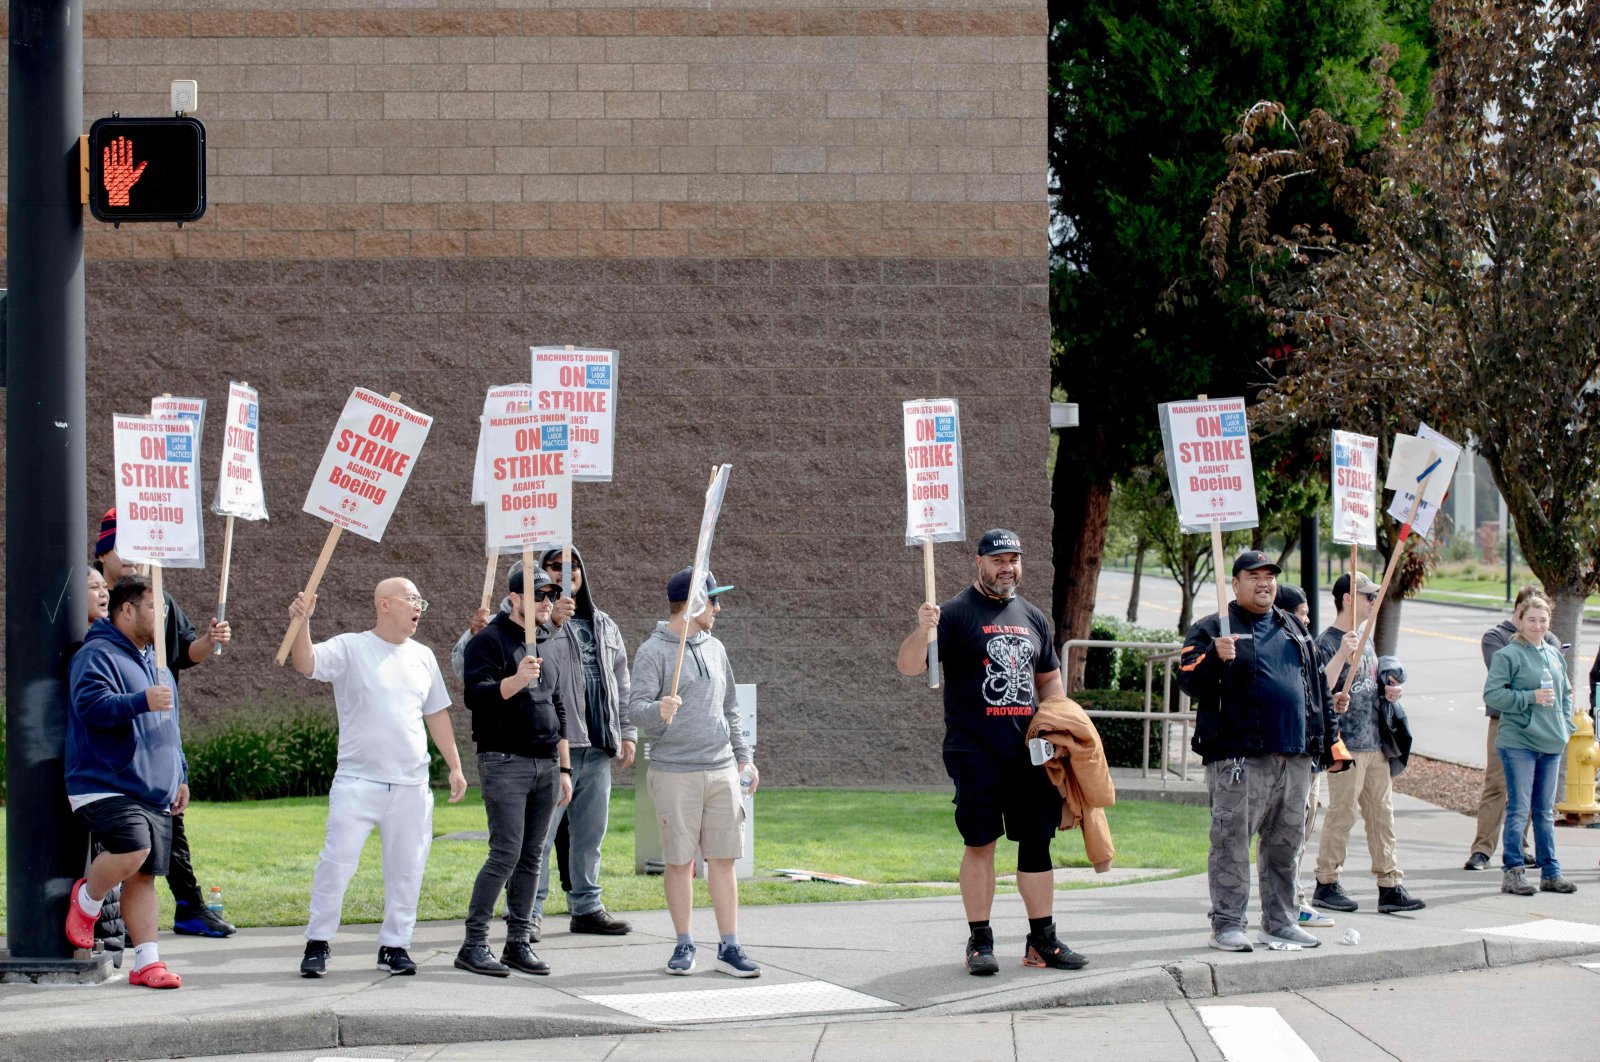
478	959
519	956
315	963
1044	951
1332	897
396	961
1397	898
1476	861
190	920
980	953
599	921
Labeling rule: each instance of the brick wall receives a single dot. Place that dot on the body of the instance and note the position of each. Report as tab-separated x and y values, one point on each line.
787	218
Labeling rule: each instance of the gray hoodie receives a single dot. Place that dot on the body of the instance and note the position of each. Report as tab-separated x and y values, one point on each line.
704	734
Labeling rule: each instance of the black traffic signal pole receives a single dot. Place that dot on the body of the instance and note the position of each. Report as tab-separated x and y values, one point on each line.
46	519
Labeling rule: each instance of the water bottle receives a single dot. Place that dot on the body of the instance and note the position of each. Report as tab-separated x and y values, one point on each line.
747	778
214	902
1547	681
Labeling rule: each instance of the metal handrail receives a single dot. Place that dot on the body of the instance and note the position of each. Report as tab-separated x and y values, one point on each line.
1183	715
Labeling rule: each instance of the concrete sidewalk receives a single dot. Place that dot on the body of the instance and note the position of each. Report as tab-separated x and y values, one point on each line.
1146	942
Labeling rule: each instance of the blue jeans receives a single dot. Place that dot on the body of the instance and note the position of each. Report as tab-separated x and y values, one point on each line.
586	825
519	797
1531	778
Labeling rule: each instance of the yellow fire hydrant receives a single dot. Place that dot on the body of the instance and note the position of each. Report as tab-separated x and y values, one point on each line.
1583	756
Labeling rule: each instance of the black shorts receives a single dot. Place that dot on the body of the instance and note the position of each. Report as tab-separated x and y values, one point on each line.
121	825
996	795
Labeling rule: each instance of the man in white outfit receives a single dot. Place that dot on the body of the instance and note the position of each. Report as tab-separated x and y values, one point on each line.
388	690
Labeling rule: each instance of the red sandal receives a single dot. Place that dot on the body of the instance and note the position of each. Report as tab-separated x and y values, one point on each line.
80	926
156	975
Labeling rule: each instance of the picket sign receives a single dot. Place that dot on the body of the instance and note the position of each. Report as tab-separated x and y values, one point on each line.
935	508
716	488
240	494
382	452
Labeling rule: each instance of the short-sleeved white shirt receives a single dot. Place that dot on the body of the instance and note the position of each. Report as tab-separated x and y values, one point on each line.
382	691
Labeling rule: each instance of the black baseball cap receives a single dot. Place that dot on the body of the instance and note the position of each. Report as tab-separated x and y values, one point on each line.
1251	560
678	586
539	579
999	540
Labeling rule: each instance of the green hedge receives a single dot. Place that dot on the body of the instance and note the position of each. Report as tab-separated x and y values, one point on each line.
263	757
1122	737
1123	669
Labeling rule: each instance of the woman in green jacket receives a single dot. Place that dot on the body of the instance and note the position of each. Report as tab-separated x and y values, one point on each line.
1528	686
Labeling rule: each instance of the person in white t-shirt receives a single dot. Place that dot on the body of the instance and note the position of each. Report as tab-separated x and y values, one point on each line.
391	698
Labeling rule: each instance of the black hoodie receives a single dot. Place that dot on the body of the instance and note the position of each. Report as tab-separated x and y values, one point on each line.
532	721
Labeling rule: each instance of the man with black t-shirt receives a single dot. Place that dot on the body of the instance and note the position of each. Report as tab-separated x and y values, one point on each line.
999	660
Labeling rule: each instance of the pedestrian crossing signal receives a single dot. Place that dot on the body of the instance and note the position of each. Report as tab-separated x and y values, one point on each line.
147	169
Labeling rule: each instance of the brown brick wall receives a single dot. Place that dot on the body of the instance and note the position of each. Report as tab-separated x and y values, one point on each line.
788	218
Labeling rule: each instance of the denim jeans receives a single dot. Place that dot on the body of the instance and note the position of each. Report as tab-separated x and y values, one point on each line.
1530	780
586	826
519	795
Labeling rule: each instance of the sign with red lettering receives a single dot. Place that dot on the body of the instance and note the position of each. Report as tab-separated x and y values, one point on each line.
934	506
583	385
194	411
527	479
1355	489
1208	463
239	490
499	402
367	463
158	504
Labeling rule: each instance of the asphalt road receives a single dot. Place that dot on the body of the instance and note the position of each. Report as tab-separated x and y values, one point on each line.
1438	645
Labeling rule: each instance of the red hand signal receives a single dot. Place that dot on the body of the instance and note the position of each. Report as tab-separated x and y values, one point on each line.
119	173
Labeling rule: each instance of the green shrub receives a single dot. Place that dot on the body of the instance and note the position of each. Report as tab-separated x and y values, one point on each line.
1122	737
282	754
1123	669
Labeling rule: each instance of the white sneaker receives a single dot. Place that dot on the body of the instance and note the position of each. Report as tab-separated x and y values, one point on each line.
1314	919
1290	934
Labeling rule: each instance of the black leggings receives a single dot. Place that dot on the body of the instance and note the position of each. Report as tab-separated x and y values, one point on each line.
1033	857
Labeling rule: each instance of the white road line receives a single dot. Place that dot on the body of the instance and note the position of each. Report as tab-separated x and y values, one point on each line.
1547	929
1254	1034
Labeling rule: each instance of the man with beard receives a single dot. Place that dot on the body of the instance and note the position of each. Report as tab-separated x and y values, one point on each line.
390	697
999	661
592	661
1263	713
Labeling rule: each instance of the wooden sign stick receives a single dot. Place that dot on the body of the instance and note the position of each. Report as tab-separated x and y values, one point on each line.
683	639
316	578
566	570
530	631
1388	573
928	592
222	585
161	619
1216	569
490	569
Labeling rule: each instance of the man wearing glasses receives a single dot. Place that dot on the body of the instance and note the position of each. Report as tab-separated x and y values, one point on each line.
524	770
390	697
1366	785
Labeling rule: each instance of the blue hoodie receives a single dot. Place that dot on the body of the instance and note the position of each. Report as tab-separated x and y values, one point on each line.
115	744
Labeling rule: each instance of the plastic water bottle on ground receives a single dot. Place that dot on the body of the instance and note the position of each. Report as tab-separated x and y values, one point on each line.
214	901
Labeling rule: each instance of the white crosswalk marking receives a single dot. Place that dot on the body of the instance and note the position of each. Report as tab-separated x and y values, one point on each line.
1254	1034
1547	929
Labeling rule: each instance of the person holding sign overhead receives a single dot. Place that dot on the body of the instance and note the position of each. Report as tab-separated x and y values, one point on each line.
391	698
698	763
1263	714
999	661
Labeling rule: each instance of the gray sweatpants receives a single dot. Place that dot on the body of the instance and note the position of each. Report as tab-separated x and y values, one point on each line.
1251	796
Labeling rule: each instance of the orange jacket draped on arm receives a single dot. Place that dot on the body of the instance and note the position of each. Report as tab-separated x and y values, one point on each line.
1080	771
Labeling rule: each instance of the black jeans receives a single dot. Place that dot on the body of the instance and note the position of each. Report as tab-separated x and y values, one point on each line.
520	797
180	869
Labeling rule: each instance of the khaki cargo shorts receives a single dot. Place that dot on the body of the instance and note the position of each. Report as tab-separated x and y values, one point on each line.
698	809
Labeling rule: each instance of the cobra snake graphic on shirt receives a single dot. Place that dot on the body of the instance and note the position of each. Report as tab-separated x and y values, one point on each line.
1009	670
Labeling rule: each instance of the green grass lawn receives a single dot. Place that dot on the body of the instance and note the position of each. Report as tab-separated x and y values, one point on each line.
262	853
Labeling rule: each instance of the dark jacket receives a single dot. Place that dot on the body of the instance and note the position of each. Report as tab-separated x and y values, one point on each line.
1594	679
533	720
1227	716
1394	729
613	654
115	744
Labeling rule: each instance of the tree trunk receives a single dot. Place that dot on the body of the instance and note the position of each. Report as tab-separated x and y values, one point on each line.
1387	635
1082	510
1138	575
1185	609
1565	622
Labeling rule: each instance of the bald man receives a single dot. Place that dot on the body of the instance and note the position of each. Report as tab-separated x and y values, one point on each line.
388	691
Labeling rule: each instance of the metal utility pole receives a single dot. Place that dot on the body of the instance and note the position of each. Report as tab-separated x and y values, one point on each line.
46	522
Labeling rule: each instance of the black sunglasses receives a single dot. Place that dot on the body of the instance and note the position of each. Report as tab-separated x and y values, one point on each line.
547	593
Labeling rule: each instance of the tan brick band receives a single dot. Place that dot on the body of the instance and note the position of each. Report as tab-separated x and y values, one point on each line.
568	22
588	230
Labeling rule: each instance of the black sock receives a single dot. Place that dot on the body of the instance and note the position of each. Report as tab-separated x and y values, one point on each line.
1036	925
975	926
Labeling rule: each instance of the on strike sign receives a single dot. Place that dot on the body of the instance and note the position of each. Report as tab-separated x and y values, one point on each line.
158	504
583	385
1208	463
1355	489
527	479
239	491
498	402
934	506
367	463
